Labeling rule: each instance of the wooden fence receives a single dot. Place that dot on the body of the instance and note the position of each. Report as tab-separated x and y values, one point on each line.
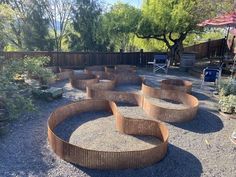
82	59
209	49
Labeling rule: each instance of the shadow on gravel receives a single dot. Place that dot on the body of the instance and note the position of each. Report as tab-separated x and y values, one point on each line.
200	96
177	163
204	122
67	127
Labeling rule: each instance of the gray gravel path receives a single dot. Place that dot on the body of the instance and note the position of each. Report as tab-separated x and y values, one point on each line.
197	148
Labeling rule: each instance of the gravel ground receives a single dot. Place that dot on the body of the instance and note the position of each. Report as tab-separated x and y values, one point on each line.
132	111
197	148
96	131
167	103
128	88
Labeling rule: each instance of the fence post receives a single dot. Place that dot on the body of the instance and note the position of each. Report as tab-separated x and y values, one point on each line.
141	57
121	56
209	49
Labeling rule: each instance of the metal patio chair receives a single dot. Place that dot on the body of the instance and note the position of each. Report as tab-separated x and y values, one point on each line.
160	62
211	74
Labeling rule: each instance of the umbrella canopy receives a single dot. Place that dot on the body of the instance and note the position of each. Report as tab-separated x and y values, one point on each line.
221	21
233	32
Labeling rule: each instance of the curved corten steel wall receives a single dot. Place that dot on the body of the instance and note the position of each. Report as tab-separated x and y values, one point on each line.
156	112
177	84
127	78
117	74
102	85
81	81
104	159
64	74
111	68
169	114
125	68
90	69
101	89
61	73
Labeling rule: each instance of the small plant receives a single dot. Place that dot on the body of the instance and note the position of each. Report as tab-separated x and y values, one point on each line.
14	92
35	67
227	102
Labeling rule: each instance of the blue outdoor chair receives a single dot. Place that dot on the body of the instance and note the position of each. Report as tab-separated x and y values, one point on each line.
211	74
160	62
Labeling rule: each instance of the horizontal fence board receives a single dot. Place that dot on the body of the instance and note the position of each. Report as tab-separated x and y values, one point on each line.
207	49
83	59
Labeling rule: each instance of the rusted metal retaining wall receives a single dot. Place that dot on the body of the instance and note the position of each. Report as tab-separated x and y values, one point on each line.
177	84
154	111
101	159
105	99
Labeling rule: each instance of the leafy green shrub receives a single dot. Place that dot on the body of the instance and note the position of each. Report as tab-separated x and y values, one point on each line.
17	95
227	102
35	66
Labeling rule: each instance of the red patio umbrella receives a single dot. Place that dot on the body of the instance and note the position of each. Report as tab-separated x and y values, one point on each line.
226	20
233	32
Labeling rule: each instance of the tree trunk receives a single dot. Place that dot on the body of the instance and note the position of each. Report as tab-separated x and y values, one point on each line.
176	51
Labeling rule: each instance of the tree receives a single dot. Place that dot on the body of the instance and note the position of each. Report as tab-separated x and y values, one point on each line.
35	28
59	13
85	21
6	17
13	32
172	20
121	23
28	28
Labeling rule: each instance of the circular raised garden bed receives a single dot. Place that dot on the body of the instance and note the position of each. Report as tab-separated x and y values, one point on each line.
103	84
127	78
108	159
177	84
168	113
107	83
125	68
91	69
110	68
81	81
61	72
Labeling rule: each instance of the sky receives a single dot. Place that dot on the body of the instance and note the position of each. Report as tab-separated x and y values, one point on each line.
136	3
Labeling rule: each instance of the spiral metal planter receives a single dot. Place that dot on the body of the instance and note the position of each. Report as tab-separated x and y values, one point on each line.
81	81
